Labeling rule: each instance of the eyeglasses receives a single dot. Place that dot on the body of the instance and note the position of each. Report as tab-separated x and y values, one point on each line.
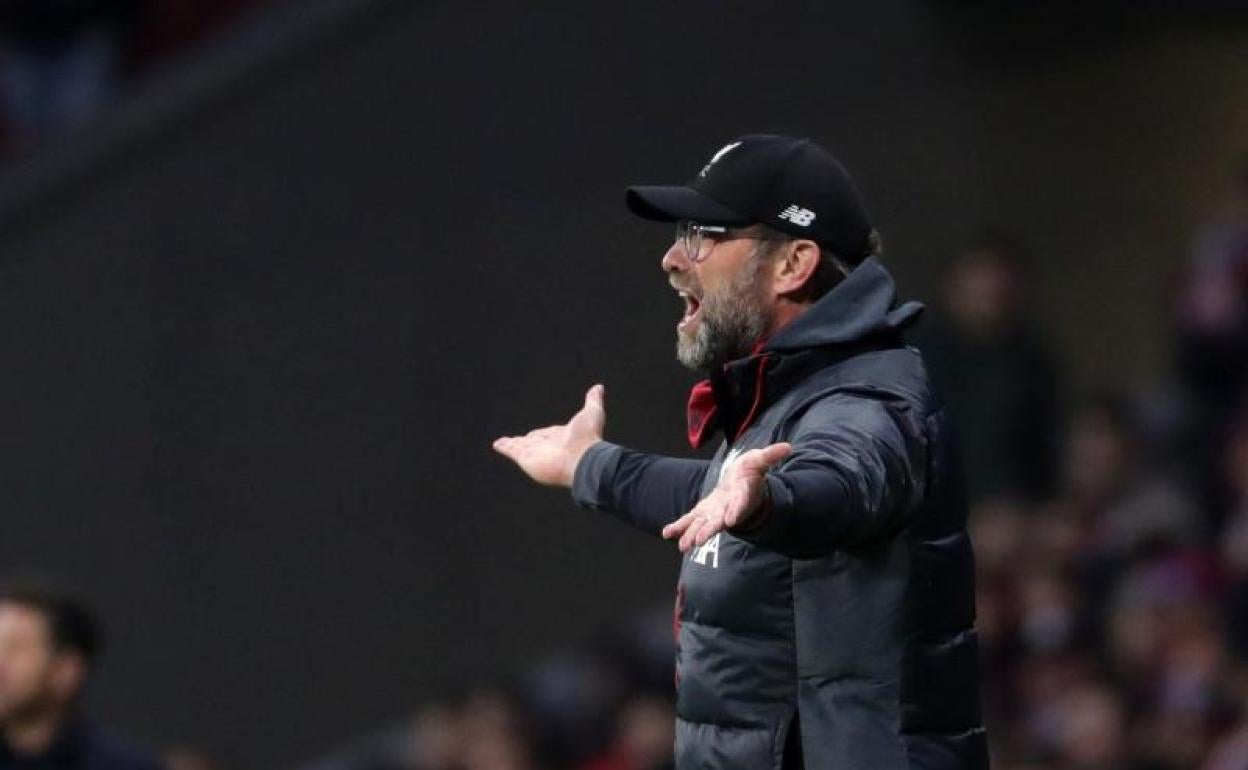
699	240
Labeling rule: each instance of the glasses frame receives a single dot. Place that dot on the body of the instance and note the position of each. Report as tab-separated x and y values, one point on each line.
692	236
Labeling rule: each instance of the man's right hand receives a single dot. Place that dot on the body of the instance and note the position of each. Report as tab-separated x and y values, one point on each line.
549	455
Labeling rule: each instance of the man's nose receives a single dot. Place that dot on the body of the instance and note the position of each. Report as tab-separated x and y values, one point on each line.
675	260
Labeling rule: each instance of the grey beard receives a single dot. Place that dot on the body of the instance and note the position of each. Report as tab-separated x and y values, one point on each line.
730	326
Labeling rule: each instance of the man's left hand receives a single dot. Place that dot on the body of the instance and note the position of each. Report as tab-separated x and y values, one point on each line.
736	497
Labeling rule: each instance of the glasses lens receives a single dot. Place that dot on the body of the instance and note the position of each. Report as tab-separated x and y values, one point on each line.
689	236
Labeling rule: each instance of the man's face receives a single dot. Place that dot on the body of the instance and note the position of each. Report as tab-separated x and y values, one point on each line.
981	293
29	665
726	298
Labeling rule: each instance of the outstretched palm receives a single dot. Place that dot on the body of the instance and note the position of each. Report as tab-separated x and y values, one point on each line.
549	455
732	502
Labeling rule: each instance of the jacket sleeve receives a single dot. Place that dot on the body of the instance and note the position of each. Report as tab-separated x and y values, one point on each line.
647	491
853	476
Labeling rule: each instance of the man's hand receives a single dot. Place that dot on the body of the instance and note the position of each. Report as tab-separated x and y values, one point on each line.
734	499
549	455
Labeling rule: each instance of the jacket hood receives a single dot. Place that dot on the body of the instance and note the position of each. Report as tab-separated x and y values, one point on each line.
858	315
860	307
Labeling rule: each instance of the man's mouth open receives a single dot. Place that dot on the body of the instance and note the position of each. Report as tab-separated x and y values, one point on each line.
692	308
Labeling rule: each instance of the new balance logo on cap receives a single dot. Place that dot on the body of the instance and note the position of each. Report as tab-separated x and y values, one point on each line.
798	215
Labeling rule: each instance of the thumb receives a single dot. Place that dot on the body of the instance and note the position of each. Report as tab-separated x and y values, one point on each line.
770	455
594	397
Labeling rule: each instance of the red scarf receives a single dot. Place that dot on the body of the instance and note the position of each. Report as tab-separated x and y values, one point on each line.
702	410
703	416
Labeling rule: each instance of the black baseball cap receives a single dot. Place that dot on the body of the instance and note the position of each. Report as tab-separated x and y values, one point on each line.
790	184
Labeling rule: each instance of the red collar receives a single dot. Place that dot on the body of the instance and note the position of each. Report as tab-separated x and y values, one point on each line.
702	413
705	416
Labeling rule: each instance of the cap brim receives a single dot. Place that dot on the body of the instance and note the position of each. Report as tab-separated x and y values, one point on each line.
674	204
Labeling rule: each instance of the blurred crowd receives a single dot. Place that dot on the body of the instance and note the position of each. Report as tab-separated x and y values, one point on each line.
63	61
601	703
1111	534
1113	577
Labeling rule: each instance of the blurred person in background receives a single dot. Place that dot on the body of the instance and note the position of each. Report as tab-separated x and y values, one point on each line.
188	758
996	374
49	643
1211	312
582	694
1120	500
495	732
60	61
574	693
1040	680
1049	613
1234	541
1119	516
1168	653
643	736
431	740
1090	728
1231	751
488	728
1211	325
1190	699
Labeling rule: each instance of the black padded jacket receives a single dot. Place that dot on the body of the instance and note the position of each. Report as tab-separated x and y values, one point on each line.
840	626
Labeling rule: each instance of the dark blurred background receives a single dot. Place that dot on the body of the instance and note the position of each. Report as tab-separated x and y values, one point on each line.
274	274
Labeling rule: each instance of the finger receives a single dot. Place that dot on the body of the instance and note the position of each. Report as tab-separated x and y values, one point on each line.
706	528
507	446
769	455
677	528
689	523
735	508
716	522
686	540
700	531
732	511
690	528
697	533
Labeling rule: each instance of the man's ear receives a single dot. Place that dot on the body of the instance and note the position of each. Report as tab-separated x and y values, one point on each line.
797	264
69	675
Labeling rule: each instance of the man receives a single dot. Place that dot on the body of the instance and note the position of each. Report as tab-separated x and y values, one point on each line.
48	643
1000	383
825	611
